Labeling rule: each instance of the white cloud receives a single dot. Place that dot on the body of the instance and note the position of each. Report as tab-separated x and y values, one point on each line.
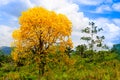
4	2
110	30
117	21
5	35
71	10
106	7
15	7
102	20
102	9
116	6
93	2
113	33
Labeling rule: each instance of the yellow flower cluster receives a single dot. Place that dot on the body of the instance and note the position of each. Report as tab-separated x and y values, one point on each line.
40	29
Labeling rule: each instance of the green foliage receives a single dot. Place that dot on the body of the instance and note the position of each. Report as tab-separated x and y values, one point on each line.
80	50
102	65
4	58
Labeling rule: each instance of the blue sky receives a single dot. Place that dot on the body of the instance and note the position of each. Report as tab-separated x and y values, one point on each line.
105	13
108	10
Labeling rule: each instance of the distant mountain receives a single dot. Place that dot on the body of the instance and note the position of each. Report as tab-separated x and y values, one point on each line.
5	49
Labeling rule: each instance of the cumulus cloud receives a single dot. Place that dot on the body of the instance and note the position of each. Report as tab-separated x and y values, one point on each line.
102	9
71	10
90	2
116	6
5	35
15	7
107	7
110	30
117	21
67	7
93	2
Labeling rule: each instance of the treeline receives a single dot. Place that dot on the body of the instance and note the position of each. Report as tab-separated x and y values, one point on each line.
89	65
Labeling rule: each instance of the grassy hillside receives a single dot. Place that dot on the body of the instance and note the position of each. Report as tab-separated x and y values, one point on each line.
102	65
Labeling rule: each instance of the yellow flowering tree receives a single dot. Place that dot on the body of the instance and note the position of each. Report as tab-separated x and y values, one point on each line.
39	30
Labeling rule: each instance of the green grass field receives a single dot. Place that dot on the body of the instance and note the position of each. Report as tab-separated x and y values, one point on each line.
104	66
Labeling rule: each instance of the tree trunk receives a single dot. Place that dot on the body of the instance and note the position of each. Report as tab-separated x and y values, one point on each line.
39	73
43	68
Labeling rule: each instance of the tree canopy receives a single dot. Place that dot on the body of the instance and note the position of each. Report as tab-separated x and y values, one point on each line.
39	30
